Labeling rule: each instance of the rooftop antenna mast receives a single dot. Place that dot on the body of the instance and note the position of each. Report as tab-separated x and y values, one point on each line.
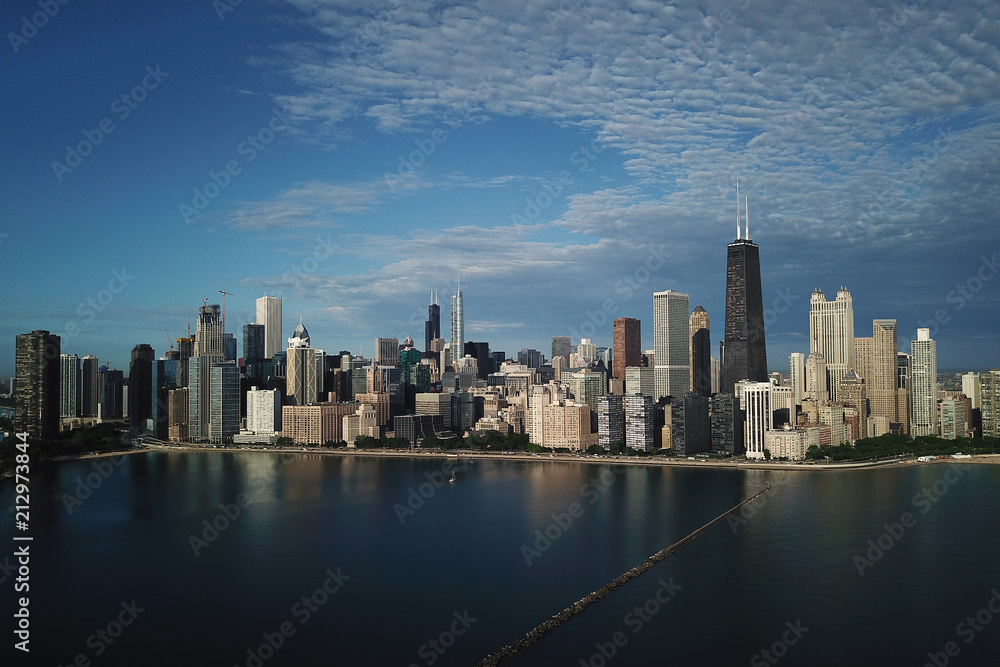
747	231
189	322
737	209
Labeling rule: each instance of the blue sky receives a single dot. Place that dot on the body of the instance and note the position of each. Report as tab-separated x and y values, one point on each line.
545	150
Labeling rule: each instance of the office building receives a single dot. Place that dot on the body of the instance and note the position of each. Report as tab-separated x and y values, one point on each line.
269	314
36	406
726	430
700	352
140	386
690	424
671	343
744	353
253	351
303	371
224	421
923	396
561	347
208	339
432	327
112	384
627	344
387	351
530	358
972	388
164	381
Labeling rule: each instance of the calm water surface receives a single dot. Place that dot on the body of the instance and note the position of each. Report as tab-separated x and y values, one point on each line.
452	566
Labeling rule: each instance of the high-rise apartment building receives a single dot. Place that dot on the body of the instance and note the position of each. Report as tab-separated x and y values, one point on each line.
90	386
610	421
224	420
457	324
269	314
831	333
989	402
924	381
640	422
797	377
303	372
755	402
111	384
36	407
627	345
671	333
69	385
744	353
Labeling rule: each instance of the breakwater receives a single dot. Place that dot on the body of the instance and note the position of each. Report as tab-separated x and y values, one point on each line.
569	612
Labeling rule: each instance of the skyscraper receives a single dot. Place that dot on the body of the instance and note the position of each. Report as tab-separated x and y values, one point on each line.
140	386
989	397
560	348
208	341
671	328
755	401
627	345
700	353
387	351
224	421
432	327
303	381
69	385
253	350
269	314
90	396
924	383
457	324
881	385
36	410
111	382
744	350
797	376
831	333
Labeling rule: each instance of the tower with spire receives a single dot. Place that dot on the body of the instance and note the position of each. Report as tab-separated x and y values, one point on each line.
457	324
744	354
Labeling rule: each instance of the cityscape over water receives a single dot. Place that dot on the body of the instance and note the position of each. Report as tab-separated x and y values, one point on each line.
417	334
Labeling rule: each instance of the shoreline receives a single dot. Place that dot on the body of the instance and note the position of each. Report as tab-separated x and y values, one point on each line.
889	462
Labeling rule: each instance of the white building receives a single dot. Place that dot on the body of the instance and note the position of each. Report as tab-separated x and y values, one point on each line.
671	347
924	382
269	314
755	401
971	387
831	333
797	376
264	411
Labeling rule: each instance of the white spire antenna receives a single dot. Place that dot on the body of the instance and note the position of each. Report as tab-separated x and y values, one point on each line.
747	204
737	209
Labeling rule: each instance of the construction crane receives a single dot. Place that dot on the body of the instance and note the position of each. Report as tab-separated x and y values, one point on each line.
169	342
224	293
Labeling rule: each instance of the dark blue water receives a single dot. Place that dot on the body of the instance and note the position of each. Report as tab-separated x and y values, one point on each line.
449	583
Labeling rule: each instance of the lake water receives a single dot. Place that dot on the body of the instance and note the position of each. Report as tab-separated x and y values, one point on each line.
382	561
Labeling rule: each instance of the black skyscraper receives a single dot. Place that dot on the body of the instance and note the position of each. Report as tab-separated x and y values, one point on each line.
140	386
744	353
432	327
701	360
37	397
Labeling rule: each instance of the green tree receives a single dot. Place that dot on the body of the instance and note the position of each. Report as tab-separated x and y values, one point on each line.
595	449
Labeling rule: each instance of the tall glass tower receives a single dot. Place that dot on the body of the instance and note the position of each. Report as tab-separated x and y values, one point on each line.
744	352
457	324
432	327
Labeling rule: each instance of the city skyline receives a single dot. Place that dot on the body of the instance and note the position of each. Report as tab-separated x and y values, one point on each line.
566	189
